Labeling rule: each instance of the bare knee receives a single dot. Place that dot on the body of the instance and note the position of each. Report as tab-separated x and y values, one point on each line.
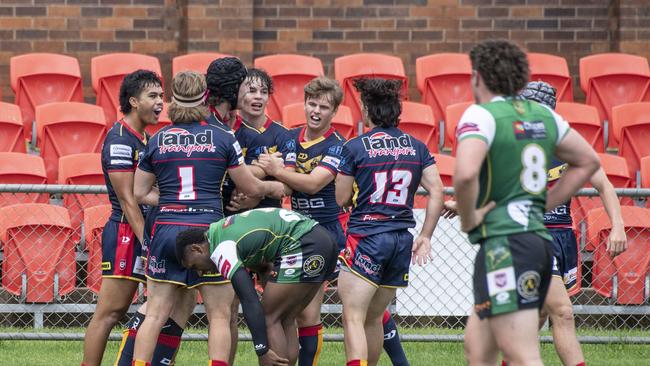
562	315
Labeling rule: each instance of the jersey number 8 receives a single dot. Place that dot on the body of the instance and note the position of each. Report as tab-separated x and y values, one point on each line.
533	176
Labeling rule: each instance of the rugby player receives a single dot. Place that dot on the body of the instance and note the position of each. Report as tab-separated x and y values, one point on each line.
501	202
188	160
296	253
379	173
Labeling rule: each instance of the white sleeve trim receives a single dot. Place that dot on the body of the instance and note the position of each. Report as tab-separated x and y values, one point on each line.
225	257
476	121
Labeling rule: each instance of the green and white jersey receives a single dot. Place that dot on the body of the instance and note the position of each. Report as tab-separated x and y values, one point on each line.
522	137
255	237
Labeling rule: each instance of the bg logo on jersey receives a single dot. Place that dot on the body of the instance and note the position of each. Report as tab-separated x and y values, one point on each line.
181	140
383	144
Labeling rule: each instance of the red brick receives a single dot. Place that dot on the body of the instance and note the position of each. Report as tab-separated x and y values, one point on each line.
49	46
50	23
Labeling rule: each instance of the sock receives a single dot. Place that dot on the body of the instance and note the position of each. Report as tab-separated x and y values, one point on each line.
125	352
217	363
582	364
311	344
140	363
503	363
169	341
392	344
357	363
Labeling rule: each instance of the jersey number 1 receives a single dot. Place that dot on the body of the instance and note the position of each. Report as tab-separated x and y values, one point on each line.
186	176
400	180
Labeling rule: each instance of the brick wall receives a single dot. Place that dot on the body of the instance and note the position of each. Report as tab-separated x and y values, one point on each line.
322	28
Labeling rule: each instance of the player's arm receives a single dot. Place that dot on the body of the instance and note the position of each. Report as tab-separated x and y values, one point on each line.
617	241
311	183
249	185
582	163
144	189
122	182
344	189
432	183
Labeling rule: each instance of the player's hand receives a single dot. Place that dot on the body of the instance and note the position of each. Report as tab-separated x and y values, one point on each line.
270	358
617	241
275	190
270	163
421	252
476	218
450	210
241	201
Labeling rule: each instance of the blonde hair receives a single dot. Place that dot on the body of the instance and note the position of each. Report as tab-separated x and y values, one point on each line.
187	85
324	86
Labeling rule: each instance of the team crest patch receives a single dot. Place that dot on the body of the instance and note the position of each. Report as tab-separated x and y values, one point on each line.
466	128
528	286
533	130
228	221
313	265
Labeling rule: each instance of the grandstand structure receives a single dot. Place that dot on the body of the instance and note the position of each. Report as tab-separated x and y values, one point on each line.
61	65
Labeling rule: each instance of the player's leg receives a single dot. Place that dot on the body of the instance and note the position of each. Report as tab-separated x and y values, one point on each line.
234	329
558	306
310	331
218	300
517	336
169	339
480	347
115	296
356	294
392	343
373	325
290	326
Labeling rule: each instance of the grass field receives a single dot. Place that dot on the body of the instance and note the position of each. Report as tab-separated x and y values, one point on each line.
63	353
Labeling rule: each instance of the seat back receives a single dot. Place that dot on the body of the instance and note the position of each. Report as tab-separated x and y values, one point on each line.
68	128
417	120
11	128
584	119
163	121
453	113
631	125
290	74
198	62
94	220
19	168
37	245
348	68
645	172
612	79
40	78
108	71
445	165
553	70
293	115
443	79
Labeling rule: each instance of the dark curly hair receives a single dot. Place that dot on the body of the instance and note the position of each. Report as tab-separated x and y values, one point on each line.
261	76
186	238
135	83
503	66
382	98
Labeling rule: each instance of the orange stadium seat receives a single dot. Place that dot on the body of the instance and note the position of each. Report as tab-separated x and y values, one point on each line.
163	121
612	79
290	74
40	78
631	126
645	172
630	268
445	165
107	72
453	113
348	68
68	128
11	128
81	169
293	115
198	62
19	168
94	220
39	254
418	121
444	79
584	119
553	70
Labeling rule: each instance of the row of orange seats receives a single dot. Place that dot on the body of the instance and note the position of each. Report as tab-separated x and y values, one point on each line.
442	79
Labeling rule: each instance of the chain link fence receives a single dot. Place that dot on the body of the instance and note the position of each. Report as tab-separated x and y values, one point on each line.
51	267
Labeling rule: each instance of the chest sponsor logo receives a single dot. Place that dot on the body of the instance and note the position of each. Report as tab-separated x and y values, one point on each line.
180	140
382	144
121	151
534	130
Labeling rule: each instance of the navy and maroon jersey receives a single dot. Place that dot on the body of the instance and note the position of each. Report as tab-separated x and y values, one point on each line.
387	166
190	162
324	152
122	150
269	138
559	217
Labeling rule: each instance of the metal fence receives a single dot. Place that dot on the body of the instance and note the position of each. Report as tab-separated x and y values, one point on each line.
51	268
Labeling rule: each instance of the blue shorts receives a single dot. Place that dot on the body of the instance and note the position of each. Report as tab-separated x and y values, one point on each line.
121	252
565	256
162	265
149	220
381	259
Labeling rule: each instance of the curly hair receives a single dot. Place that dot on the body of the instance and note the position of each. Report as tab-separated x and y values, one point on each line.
187	85
135	83
383	100
261	76
186	238
322	85
503	66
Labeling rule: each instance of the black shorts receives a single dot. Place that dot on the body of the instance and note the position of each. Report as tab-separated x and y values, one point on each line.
565	257
313	262
511	273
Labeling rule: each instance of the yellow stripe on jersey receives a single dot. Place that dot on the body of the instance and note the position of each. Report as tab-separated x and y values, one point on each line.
355	193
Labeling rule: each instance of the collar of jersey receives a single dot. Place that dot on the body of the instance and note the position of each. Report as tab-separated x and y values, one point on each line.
307	144
134	132
267	124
